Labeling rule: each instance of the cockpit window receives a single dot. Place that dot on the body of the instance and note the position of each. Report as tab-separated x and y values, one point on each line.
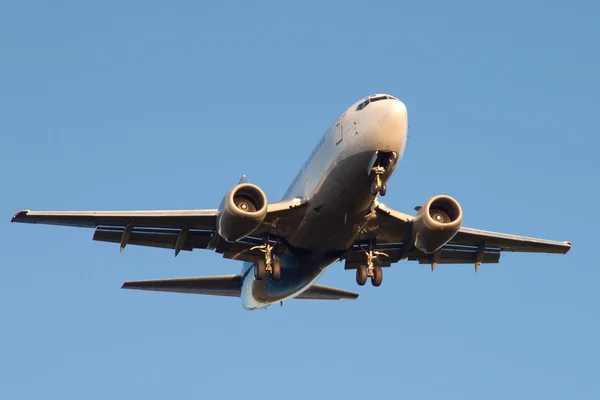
362	105
373	99
379	98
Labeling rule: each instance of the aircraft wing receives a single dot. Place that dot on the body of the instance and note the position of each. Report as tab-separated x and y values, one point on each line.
171	229
392	230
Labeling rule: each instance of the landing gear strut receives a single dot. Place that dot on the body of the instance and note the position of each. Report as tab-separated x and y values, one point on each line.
370	270
270	264
378	186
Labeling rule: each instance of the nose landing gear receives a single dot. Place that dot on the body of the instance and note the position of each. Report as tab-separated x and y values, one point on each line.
378	186
370	270
270	264
382	164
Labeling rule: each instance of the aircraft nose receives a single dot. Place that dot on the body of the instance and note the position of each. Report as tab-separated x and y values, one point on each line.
393	117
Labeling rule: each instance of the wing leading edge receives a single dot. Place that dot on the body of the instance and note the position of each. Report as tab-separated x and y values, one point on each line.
152	218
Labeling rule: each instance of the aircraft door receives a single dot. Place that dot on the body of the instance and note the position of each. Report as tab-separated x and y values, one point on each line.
337	130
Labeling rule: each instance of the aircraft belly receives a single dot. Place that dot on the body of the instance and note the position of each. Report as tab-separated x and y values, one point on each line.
297	275
337	207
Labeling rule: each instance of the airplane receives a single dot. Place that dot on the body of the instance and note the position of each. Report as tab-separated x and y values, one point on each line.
330	212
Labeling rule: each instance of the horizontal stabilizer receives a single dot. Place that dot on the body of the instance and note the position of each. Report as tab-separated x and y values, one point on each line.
320	292
224	285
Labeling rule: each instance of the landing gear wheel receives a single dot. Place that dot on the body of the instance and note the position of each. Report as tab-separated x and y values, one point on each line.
260	270
371	270
374	188
269	264
378	186
377	276
275	269
361	275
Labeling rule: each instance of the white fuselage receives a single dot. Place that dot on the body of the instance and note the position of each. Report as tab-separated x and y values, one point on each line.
335	180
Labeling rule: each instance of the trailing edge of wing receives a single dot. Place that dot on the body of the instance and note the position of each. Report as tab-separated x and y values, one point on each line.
224	285
320	292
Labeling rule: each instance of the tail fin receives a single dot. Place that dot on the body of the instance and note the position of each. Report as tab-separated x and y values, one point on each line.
243	179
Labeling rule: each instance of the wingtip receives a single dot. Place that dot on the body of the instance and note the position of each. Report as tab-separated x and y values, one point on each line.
130	285
350	296
19	216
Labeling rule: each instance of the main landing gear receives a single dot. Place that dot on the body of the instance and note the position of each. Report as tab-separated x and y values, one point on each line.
370	271
270	264
378	186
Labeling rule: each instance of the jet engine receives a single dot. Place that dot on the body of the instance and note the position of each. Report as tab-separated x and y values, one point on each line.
436	223
242	210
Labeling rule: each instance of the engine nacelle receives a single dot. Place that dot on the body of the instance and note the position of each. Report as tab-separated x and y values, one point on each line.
242	210
438	220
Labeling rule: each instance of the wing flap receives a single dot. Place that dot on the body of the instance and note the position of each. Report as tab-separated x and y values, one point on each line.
449	254
456	257
163	238
224	285
320	292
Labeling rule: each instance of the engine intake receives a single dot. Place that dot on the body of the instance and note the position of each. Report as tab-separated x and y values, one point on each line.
242	210
438	220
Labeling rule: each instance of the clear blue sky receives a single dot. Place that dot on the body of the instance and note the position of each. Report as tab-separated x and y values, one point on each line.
144	104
